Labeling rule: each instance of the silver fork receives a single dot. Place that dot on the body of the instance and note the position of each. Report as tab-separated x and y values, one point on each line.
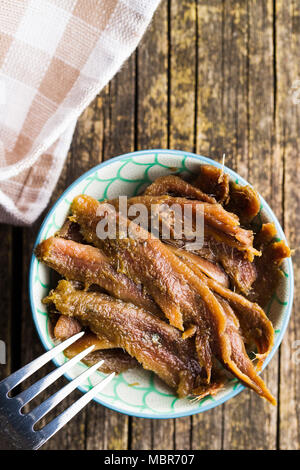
17	428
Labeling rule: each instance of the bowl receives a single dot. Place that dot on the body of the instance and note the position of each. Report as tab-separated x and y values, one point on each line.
138	392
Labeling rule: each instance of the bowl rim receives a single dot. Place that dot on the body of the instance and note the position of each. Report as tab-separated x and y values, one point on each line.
265	206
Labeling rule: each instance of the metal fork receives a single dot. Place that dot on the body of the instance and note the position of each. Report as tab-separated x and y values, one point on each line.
17	428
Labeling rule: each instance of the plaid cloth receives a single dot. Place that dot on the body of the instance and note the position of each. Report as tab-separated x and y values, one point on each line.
55	56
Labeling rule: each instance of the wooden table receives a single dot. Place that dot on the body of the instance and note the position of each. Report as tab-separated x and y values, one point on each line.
213	77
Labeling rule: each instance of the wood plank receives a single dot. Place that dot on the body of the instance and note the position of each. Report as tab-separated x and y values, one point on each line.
120	140
207	430
250	423
108	429
88	141
72	436
141	434
222	80
152	132
182	73
183	59
288	141
87	151
163	434
235	84
228	32
152	84
183	433
210	127
207	427
266	178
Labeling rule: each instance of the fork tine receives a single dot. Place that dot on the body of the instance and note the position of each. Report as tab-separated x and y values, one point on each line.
43	383
26	371
44	408
70	412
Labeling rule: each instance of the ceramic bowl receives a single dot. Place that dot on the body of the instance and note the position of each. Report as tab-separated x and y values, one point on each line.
138	392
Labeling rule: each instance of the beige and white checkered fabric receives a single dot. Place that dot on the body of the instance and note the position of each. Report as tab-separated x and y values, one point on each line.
55	56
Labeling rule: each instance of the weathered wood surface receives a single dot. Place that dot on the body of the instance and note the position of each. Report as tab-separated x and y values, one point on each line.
214	77
288	149
250	48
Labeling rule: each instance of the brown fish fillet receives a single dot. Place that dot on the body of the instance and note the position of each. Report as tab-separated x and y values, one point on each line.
241	200
244	202
219	224
241	365
240	270
206	265
212	270
66	327
116	360
99	342
70	231
152	264
89	265
145	260
265	236
182	295
216	250
175	186
255	325
217	247
157	346
267	267
212	181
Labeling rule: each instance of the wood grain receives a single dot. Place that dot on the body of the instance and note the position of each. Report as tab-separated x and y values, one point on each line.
182	109
152	84
256	428
182	72
288	147
210	83
152	132
72	437
265	177
207	428
211	76
106	429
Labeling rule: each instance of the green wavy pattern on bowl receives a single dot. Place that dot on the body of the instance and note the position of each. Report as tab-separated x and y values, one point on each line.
136	390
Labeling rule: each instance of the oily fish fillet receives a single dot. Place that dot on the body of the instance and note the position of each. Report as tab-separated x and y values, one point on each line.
155	344
182	295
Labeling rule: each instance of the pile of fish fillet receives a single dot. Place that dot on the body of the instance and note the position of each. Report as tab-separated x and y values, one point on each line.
195	317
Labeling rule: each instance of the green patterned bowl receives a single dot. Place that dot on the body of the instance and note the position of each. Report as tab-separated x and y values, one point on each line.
139	392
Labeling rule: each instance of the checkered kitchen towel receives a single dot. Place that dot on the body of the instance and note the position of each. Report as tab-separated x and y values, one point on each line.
55	56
